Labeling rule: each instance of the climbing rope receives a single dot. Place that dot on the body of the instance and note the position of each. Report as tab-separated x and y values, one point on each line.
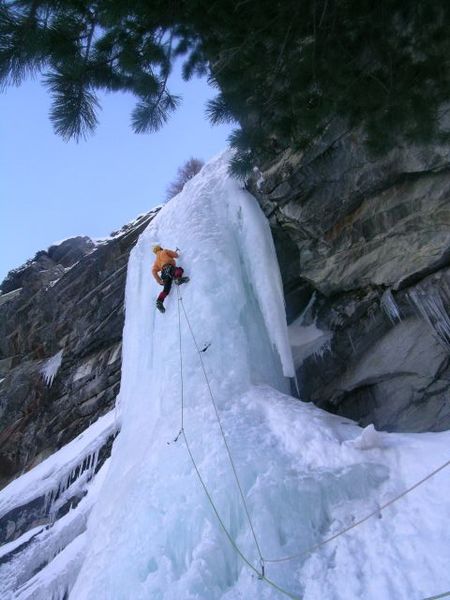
366	518
181	371
233	466
261	574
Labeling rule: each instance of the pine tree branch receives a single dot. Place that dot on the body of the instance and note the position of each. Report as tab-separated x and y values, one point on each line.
150	114
278	63
167	73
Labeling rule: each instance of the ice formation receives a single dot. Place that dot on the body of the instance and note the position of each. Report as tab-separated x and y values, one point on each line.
51	367
305	474
67	468
431	308
307	340
52	556
42	564
153	533
389	305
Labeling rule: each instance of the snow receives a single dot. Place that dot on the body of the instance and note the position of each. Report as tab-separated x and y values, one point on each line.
115	353
260	176
23	539
305	474
60	472
129	226
84	369
51	367
67	239
54	579
48	565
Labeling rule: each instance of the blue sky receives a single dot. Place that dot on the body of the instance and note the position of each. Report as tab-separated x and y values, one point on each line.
51	189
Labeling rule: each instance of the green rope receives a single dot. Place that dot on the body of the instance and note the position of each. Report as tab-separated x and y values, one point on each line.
366	518
223	433
181	364
261	575
227	533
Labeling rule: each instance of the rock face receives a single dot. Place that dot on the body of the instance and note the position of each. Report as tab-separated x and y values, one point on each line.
370	236
61	320
47	266
388	361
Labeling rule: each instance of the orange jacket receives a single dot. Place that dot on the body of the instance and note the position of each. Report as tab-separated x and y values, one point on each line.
163	257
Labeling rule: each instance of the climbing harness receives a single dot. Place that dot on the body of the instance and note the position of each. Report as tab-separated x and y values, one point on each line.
261	572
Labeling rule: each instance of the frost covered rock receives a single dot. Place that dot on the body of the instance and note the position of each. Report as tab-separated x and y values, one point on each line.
68	252
43	516
47	266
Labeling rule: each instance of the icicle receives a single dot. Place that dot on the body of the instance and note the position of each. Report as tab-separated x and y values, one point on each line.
94	463
389	305
51	366
323	349
57	496
430	307
308	308
48	500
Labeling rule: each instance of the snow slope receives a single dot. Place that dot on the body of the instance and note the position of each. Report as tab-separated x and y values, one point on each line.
59	472
305	474
43	562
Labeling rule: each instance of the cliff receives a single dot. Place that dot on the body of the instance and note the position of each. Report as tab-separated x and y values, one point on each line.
366	242
61	321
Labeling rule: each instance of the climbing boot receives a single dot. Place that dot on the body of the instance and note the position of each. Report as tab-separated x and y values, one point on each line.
181	280
160	306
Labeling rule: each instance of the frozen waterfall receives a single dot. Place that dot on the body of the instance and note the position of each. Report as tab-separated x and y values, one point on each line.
305	474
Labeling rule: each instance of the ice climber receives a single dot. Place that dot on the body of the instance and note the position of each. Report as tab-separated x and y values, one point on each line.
166	265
